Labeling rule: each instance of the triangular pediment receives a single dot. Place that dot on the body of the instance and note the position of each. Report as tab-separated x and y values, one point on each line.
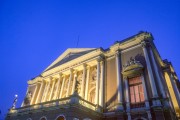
68	55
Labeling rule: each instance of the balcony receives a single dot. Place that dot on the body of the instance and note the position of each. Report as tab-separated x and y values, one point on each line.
73	100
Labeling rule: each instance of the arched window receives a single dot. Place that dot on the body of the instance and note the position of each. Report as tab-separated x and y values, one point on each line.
29	119
61	117
43	118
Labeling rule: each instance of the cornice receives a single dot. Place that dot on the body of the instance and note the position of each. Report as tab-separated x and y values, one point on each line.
123	46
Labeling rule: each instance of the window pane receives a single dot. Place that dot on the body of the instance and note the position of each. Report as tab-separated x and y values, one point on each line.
142	97
141	90
132	99
131	90
136	89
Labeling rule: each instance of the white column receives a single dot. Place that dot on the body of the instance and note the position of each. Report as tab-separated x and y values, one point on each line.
150	74
40	92
119	81
97	83
157	74
34	94
62	87
47	90
44	91
58	86
145	92
74	82
101	102
87	83
69	82
52	90
127	94
162	90
83	81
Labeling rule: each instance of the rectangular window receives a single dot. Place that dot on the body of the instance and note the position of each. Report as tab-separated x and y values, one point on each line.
136	91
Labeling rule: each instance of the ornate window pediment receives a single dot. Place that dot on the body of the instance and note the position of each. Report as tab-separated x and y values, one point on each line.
132	68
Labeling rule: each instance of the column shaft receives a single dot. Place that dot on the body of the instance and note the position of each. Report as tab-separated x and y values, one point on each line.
87	84
145	92
119	81
157	75
44	91
52	90
40	92
150	73
74	82
97	83
34	94
58	87
47	90
102	85
62	87
70	79
127	94
83	81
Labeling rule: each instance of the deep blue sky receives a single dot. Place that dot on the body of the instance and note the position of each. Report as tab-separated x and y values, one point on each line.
34	33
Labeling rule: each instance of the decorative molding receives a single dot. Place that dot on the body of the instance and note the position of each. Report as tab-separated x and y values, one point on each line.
132	68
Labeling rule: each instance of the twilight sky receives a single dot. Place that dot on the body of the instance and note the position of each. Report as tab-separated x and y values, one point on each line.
33	33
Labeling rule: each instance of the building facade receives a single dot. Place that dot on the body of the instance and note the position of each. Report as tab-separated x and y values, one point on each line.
127	81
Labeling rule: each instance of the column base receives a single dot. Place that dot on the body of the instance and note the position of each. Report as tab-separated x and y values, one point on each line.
149	115
158	114
156	102
129	116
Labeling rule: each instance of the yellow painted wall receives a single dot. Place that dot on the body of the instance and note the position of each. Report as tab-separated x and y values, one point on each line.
172	94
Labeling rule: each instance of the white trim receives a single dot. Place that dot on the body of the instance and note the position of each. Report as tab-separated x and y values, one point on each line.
131	48
43	117
64	54
61	115
29	119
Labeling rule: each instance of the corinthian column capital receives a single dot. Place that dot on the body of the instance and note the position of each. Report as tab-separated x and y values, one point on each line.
145	44
117	53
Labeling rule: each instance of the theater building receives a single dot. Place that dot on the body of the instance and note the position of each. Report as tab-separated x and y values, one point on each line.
127	81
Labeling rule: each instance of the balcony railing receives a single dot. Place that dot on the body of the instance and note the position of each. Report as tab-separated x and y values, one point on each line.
72	100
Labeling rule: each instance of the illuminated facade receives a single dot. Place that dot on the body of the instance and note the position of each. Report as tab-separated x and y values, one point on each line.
127	81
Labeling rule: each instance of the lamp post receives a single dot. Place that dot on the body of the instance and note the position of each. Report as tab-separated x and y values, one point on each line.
14	102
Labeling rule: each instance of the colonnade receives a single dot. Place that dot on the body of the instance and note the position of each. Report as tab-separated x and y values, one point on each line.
54	87
42	89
